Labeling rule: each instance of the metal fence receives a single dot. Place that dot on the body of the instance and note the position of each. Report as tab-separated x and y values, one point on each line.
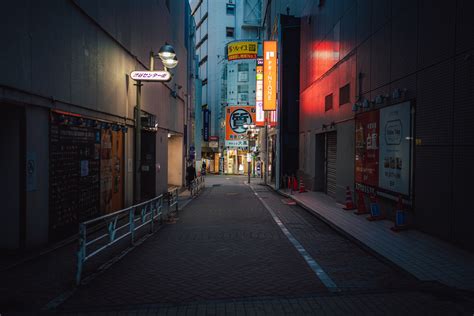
98	234
197	185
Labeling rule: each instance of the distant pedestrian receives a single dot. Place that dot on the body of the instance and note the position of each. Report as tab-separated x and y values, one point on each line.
203	168
190	174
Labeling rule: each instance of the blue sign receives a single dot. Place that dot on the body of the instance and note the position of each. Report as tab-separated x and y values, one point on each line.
205	131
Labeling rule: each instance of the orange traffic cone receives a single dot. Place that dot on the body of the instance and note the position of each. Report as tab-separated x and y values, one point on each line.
375	213
361	209
349	203
302	188
400	217
290	187
295	184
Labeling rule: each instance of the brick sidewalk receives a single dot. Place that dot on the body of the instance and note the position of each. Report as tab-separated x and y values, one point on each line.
424	256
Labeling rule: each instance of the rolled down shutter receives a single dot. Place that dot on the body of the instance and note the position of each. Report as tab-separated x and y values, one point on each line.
331	164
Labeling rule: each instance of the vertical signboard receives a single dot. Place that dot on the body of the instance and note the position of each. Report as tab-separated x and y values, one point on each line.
260	114
395	132
269	75
383	150
366	150
236	118
205	129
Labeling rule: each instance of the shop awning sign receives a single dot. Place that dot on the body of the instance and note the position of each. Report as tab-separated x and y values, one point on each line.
159	75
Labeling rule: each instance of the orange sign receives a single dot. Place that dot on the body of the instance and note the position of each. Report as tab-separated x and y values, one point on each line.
269	75
235	119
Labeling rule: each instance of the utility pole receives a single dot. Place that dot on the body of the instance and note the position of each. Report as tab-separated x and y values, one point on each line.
138	143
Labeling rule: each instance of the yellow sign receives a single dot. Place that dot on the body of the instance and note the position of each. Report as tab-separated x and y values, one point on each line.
269	75
242	50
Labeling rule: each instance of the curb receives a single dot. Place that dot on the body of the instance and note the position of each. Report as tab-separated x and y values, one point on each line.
359	243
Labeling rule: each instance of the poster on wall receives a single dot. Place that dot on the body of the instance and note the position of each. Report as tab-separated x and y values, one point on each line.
367	149
394	161
236	118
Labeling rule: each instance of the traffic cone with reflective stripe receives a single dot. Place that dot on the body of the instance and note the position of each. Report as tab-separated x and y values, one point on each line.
361	208
295	184
290	187
302	188
349	202
375	213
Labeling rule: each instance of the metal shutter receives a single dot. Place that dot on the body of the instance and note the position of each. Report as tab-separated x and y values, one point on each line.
331	145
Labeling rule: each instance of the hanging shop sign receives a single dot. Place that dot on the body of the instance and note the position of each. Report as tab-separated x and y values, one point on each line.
269	75
159	75
242	50
383	150
206	119
236	118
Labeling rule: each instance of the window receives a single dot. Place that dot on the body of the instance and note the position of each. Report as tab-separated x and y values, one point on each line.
243	67
204	82
345	94
242	88
328	102
229	31
201	21
201	41
230	9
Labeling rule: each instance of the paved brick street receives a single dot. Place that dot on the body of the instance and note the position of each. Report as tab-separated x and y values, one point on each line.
237	250
226	255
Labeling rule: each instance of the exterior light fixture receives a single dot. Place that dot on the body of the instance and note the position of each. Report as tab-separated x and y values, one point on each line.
170	63
166	52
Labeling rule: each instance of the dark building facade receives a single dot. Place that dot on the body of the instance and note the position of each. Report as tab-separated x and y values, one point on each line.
386	105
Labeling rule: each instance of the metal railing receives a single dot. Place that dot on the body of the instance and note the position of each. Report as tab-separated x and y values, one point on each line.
197	185
98	234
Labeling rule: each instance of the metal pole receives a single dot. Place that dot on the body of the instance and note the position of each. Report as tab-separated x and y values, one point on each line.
138	144
248	153
265	156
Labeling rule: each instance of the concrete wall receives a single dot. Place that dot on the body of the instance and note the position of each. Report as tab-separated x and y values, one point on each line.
175	160
76	56
10	184
401	45
37	212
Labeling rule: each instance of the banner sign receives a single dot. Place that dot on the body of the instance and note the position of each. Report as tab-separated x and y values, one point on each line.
383	150
269	75
242	50
236	118
366	148
395	135
205	130
260	114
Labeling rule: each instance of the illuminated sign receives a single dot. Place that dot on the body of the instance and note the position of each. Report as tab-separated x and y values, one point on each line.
242	50
236	118
260	114
160	75
269	75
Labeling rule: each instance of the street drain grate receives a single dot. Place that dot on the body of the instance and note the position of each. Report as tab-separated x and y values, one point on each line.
216	185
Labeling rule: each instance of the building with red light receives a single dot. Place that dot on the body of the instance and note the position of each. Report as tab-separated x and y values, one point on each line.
386	103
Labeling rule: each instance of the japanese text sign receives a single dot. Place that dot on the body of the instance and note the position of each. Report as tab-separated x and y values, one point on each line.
269	75
242	50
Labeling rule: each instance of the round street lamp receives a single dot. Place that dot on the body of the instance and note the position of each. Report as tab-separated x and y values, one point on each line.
170	63
166	52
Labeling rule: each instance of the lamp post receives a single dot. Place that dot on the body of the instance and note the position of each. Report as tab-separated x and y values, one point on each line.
249	128
169	61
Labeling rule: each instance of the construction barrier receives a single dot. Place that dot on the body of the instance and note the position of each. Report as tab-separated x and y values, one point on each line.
349	202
